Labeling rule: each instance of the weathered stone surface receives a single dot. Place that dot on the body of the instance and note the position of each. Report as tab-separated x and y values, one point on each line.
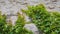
32	27
8	6
11	7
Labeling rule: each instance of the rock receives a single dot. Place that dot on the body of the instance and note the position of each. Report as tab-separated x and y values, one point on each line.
51	6
54	0
32	27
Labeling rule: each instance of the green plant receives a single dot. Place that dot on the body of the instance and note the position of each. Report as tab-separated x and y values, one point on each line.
8	28
2	23
47	22
4	27
19	27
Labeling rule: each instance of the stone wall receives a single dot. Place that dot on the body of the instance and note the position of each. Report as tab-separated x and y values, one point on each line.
13	6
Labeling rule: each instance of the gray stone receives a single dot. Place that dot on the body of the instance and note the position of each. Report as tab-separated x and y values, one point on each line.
32	27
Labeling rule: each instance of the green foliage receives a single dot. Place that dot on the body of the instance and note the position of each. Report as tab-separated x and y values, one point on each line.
19	27
47	22
8	28
2	22
4	27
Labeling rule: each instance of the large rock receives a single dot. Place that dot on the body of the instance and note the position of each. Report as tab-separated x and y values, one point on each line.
32	27
13	6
